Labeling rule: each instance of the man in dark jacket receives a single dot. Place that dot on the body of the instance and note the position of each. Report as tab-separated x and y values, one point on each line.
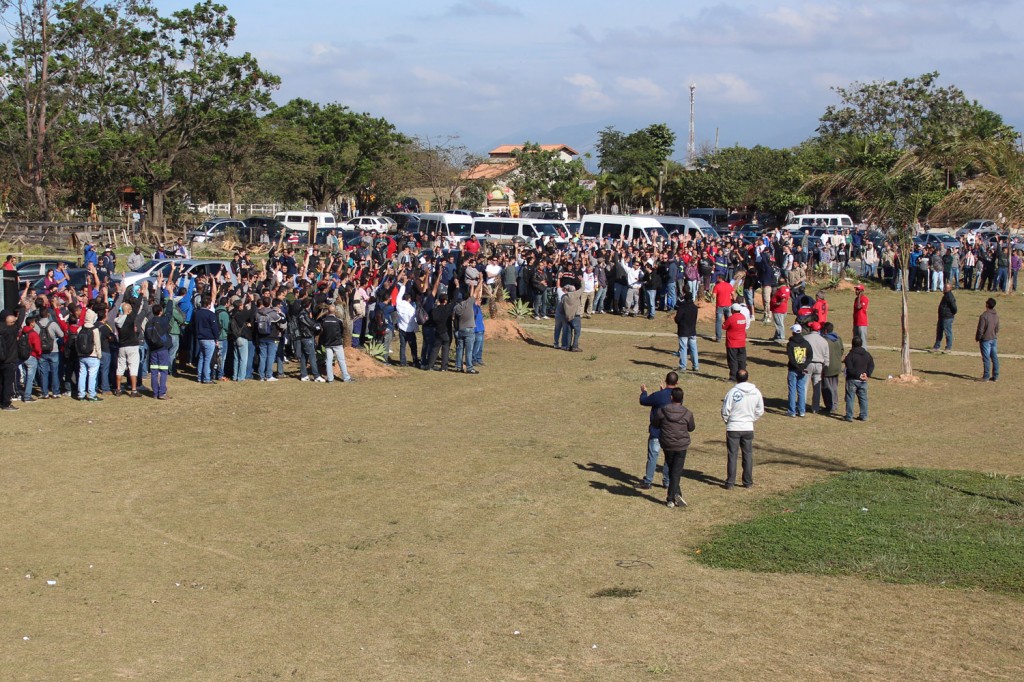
207	329
686	330
947	311
987	336
332	337
656	400
675	422
798	352
830	372
10	324
859	366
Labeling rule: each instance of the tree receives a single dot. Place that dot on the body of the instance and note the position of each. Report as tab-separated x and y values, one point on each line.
444	165
543	174
642	152
345	147
175	83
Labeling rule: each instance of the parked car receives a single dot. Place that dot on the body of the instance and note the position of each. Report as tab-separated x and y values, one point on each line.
370	223
215	228
409	222
257	226
145	270
938	239
187	266
37	267
977	227
78	277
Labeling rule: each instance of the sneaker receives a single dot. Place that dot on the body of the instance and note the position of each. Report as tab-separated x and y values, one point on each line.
320	380
55	396
28	400
472	371
304	379
670	504
95	399
680	502
644	485
350	380
9	408
271	379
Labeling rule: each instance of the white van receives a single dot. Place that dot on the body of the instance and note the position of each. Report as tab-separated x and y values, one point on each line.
544	211
509	230
694	227
298	221
451	226
627	227
806	221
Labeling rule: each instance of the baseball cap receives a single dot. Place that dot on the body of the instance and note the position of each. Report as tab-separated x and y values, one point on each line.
737	307
859	287
796	329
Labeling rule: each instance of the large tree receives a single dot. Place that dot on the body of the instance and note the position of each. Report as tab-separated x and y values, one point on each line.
544	174
640	153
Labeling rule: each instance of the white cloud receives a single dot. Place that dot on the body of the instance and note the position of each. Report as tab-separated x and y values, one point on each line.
728	88
482	8
642	86
590	96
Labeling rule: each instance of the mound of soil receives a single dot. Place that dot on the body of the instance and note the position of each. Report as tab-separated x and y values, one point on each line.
504	330
906	380
362	366
844	285
706	312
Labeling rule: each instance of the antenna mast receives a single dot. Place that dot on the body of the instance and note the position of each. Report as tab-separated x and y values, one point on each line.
691	146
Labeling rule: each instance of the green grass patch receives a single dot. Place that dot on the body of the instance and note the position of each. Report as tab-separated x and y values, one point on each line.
944	528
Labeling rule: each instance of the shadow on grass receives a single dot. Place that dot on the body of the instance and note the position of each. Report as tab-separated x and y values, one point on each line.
778	455
648	363
654	349
700	477
901	473
955	375
625	483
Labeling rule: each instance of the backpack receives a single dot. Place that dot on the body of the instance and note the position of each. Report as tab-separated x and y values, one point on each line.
85	343
157	334
24	348
236	330
422	315
264	326
45	338
378	323
70	345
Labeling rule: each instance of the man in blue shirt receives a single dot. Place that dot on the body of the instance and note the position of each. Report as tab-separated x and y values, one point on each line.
659	398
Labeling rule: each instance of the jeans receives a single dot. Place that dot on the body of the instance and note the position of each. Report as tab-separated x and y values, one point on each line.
49	374
105	371
464	349
780	326
559	330
539	308
159	365
206	347
305	351
478	347
268	353
251	359
653	446
944	328
31	366
937	277
407	339
571	333
241	359
652	296
860	388
143	358
175	344
599	299
688	348
88	370
218	371
675	460
1000	282
797	384
861	332
720	314
989	357
734	442
339	353
632	301
954	278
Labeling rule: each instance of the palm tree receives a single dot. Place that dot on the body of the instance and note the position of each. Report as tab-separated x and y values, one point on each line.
893	198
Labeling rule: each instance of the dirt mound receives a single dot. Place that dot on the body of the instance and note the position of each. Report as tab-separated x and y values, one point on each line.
844	285
905	380
504	330
362	366
706	312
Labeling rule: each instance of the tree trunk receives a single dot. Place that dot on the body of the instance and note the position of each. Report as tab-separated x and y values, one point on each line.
905	367
231	200
157	212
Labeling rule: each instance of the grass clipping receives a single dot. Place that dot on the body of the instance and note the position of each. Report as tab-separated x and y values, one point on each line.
940	528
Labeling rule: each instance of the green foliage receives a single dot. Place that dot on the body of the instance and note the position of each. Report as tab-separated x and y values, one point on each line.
473	196
642	152
376	350
941	528
543	174
520	309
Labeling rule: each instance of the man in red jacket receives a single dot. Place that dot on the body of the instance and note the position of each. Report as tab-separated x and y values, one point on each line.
735	327
779	305
860	315
820	308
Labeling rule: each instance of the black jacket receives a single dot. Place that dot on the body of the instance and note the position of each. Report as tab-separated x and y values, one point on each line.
798	351
858	362
675	422
947	306
331	332
686	319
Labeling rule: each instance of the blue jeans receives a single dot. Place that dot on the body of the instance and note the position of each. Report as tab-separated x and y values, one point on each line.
241	359
944	328
539	308
559	329
652	297
571	333
599	296
218	372
797	393
105	371
653	446
1000	283
143	359
88	369
305	351
720	314
206	347
478	347
268	353
31	366
252	357
688	348
989	359
860	389
464	348
49	374
954	278
670	296
339	353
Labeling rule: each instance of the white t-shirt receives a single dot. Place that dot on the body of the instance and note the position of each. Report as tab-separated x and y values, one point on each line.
589	282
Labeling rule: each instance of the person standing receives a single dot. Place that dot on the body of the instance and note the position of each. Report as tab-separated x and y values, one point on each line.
779	305
49	360
207	331
722	292
686	330
656	400
743	405
947	312
798	354
987	336
675	424
158	337
819	361
735	327
10	324
830	372
332	338
87	344
860	314
859	366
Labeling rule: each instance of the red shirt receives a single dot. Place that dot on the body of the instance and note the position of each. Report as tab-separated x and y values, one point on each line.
34	341
780	299
860	311
735	327
472	246
723	294
821	307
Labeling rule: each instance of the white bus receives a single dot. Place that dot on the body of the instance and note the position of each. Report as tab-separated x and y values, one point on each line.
509	230
626	227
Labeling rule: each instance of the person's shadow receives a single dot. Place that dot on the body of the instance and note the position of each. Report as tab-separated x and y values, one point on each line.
625	483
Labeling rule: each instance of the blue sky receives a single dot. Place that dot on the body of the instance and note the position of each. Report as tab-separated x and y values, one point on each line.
494	71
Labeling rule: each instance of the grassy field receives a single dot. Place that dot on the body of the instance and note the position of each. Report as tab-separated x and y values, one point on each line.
480	528
935	527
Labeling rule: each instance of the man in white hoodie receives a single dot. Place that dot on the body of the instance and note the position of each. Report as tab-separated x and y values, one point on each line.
742	406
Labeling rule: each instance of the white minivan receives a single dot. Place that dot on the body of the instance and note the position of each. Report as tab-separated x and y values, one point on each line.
453	227
298	221
694	227
626	227
806	221
509	230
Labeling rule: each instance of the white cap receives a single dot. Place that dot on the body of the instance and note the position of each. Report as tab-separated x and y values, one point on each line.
796	329
737	307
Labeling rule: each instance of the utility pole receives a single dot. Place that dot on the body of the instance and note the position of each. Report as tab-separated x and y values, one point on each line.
691	146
